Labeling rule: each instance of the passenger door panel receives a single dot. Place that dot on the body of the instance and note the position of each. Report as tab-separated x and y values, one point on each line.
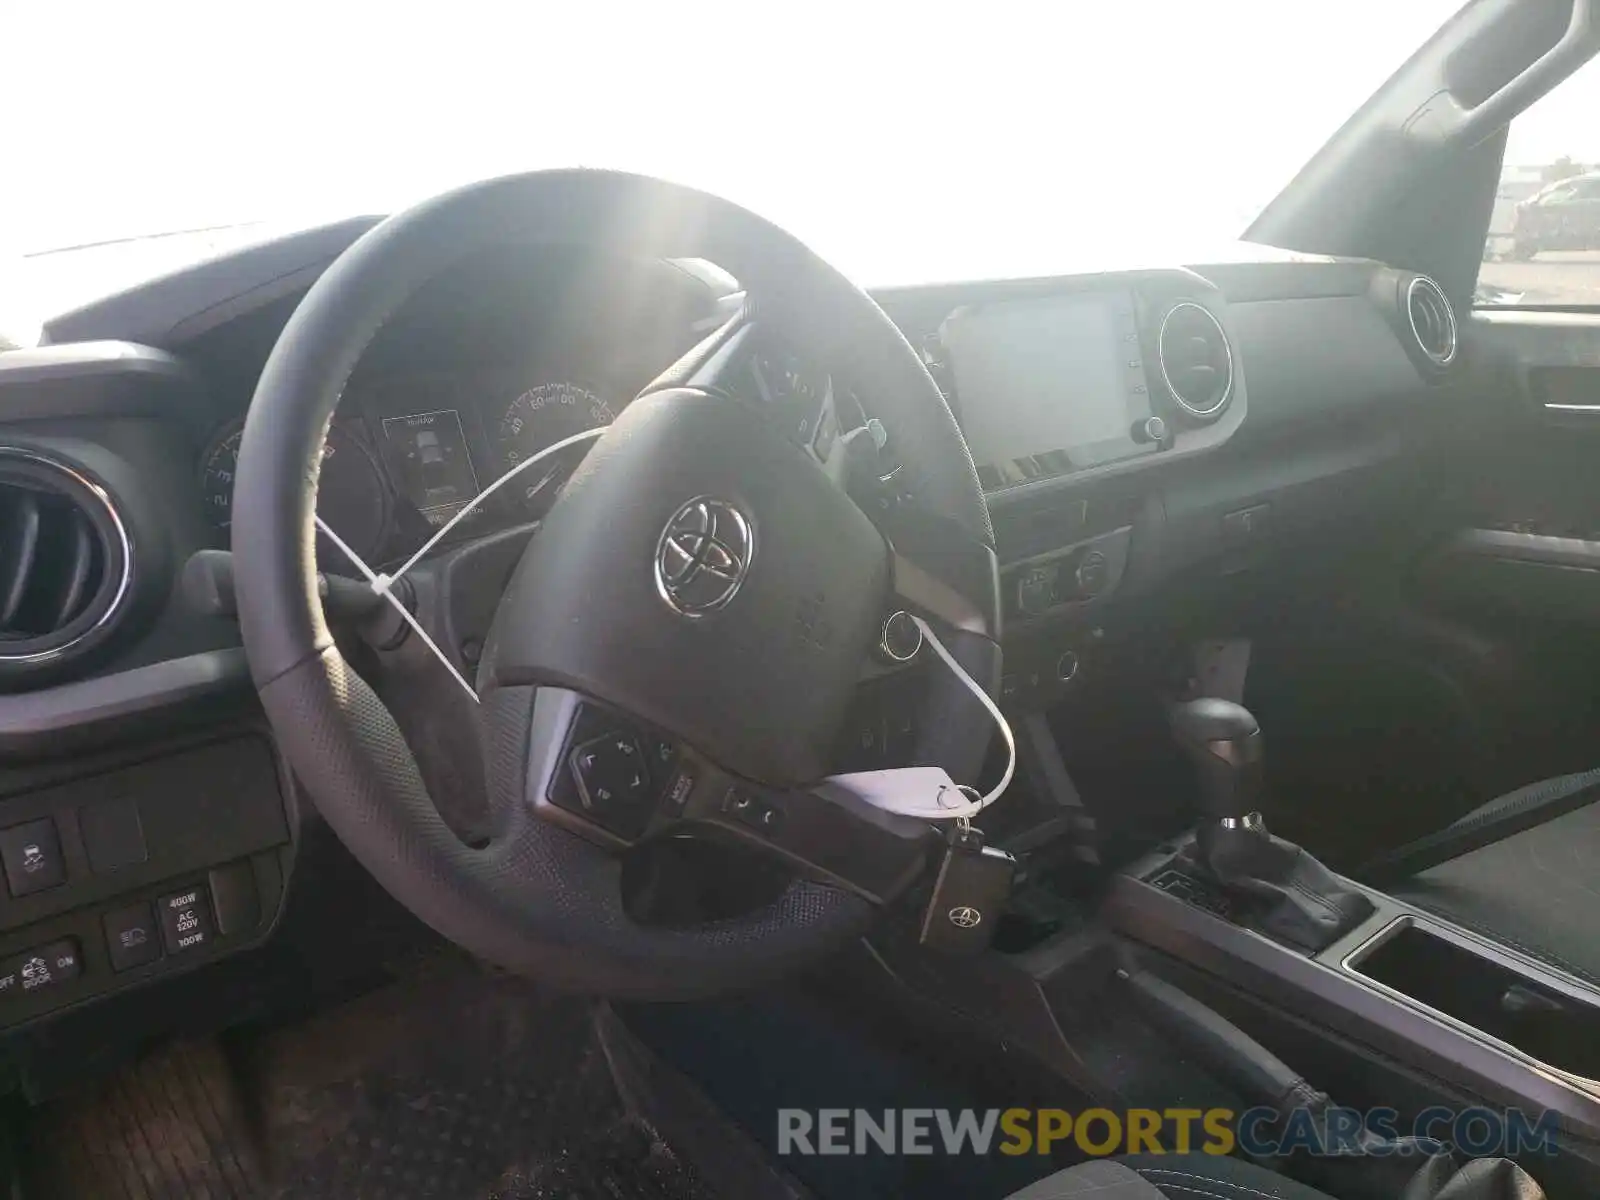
1517	475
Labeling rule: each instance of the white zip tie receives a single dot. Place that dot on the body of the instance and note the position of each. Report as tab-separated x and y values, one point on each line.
399	607
383	584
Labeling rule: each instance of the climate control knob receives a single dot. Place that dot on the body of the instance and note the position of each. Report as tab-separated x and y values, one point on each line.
1036	590
1092	574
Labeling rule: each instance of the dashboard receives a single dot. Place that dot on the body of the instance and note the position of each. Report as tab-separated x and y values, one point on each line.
1126	426
1134	432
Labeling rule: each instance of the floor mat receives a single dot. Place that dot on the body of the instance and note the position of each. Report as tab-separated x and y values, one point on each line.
756	1055
457	1085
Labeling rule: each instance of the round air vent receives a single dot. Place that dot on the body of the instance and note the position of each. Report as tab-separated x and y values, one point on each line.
1196	360
1433	320
65	560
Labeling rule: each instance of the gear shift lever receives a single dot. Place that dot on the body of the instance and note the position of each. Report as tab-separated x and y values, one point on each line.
1224	743
1305	903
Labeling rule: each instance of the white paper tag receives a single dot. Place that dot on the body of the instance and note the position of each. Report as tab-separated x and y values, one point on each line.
925	792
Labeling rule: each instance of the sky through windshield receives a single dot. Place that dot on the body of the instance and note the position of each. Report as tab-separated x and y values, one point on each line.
905	142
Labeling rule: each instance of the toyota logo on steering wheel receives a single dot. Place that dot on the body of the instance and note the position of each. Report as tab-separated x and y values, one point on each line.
703	556
965	917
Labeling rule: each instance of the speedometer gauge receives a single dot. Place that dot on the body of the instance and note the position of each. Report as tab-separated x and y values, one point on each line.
540	417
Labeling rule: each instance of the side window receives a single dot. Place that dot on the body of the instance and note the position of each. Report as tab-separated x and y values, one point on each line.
1543	247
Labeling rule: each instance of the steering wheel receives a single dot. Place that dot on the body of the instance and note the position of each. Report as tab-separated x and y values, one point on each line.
704	593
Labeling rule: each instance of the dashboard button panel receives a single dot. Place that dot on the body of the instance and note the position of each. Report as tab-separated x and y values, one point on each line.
139	868
1069	579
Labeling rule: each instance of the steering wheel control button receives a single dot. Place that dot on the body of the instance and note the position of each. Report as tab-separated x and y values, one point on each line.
32	857
132	937
901	638
676	797
46	967
1067	666
752	811
186	920
704	556
613	779
663	756
611	772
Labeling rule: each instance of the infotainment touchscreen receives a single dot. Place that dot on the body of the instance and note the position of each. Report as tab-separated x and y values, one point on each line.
1048	386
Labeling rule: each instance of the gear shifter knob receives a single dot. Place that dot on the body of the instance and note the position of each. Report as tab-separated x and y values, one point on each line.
1224	742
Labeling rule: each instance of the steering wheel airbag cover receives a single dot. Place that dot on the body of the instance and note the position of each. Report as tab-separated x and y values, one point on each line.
761	684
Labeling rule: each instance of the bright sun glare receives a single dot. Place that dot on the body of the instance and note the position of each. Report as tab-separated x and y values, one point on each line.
904	141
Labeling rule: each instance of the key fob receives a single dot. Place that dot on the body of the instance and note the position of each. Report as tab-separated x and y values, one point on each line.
972	887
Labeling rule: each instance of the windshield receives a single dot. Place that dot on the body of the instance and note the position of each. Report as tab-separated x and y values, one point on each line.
905	142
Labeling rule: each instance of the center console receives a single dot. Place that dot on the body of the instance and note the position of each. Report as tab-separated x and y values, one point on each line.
1265	918
1076	396
1428	993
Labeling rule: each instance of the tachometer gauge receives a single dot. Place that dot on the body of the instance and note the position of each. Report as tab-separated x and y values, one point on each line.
541	416
350	492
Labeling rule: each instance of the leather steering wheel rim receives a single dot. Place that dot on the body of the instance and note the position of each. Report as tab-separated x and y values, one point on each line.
537	900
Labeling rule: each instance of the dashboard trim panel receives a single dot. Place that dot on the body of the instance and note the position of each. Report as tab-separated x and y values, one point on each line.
35	721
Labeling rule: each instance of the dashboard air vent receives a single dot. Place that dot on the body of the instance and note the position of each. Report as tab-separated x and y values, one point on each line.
1433	321
1196	360
65	559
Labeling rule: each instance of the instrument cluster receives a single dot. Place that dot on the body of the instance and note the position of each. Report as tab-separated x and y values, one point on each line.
404	456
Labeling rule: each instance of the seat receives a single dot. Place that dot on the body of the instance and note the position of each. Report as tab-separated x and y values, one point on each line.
1174	1176
1524	870
1186	1176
